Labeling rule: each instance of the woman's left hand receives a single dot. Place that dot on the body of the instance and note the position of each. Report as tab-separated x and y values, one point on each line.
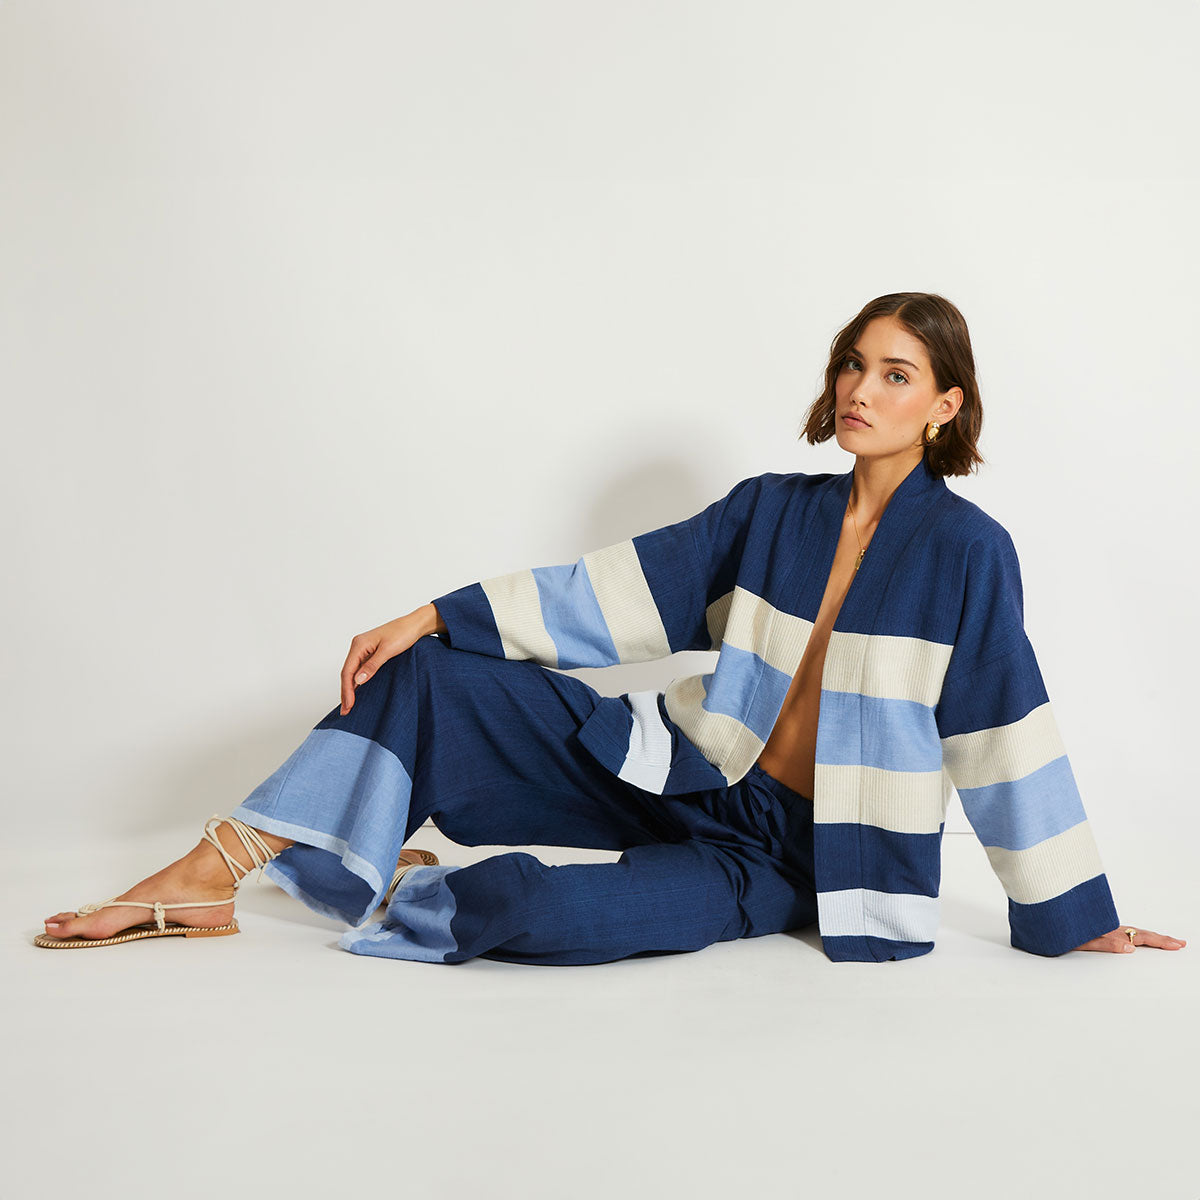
1118	941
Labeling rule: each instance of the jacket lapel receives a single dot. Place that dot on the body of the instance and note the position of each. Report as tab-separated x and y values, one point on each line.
806	578
906	512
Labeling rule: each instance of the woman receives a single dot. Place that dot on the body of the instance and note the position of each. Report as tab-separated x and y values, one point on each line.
872	658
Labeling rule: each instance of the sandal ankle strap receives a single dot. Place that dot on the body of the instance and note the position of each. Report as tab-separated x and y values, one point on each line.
251	840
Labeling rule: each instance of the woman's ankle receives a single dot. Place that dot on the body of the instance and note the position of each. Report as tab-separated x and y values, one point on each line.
206	864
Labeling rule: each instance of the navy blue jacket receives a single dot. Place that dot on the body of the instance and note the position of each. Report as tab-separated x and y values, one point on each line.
930	684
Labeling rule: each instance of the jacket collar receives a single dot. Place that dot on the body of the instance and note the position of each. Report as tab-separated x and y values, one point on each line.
918	481
906	510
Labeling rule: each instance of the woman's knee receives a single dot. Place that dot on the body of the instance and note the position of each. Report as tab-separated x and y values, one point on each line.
417	661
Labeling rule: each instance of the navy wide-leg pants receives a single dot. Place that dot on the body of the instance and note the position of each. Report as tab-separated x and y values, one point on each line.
486	748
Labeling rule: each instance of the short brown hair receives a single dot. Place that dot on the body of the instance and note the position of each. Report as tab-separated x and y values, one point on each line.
942	329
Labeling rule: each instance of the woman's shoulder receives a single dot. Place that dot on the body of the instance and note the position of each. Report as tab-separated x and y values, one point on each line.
971	526
787	495
769	489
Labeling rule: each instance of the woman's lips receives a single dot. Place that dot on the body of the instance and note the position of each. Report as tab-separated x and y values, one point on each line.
857	422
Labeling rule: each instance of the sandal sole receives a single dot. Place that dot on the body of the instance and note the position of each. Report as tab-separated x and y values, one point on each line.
134	934
431	859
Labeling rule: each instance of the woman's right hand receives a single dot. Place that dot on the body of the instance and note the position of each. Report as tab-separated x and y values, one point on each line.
370	650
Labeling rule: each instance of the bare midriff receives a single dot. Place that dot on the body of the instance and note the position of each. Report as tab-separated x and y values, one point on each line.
791	750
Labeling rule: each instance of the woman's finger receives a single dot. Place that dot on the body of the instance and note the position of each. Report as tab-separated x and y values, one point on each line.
370	667
360	651
370	650
1161	941
1119	941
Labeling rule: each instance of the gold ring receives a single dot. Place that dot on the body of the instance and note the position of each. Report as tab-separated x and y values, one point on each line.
1131	932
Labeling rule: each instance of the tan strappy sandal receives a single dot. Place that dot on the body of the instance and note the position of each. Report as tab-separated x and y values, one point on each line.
260	854
428	859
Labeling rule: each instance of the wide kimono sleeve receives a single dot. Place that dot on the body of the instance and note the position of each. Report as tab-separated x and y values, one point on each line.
1003	752
637	600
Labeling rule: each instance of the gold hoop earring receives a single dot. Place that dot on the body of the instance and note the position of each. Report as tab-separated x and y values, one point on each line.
936	428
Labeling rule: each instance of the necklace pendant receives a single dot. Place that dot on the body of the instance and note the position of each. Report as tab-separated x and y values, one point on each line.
858	560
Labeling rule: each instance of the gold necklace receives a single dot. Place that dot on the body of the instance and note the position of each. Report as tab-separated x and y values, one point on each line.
861	550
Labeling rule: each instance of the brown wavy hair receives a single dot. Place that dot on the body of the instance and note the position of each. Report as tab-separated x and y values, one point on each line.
942	329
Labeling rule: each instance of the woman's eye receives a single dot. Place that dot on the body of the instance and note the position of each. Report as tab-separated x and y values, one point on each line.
853	363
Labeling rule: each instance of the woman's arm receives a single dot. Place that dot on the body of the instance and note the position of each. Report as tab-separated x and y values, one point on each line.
637	600
433	619
1004	754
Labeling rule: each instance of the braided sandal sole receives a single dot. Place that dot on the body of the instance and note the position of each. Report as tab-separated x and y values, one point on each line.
430	859
134	934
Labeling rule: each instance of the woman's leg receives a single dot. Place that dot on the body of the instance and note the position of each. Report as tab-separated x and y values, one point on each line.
482	745
485	747
654	899
731	863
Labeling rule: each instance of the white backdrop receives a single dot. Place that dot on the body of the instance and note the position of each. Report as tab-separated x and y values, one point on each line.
311	312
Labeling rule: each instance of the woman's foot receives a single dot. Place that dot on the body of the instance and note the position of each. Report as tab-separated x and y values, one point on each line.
200	875
409	857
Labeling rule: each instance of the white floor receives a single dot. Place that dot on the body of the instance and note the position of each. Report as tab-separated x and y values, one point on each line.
273	1059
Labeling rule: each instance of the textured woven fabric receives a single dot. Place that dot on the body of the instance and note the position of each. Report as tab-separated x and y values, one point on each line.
930	684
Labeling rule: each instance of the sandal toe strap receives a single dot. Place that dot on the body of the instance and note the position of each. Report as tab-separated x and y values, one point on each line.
158	907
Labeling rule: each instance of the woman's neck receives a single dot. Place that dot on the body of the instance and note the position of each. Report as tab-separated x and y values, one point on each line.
875	479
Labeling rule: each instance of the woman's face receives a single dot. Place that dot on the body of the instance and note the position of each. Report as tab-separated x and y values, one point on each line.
886	378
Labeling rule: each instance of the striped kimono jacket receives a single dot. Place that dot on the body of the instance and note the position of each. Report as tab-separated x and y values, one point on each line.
929	685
